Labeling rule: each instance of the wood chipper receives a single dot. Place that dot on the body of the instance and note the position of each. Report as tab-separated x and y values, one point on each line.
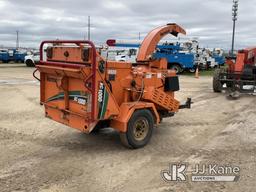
82	90
240	76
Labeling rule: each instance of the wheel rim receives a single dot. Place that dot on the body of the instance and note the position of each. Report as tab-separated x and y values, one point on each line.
192	70
176	68
140	129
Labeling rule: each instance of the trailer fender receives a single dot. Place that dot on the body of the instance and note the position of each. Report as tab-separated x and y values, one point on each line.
126	111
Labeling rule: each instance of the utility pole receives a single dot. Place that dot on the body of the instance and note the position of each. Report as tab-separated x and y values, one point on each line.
89	28
234	18
17	40
139	35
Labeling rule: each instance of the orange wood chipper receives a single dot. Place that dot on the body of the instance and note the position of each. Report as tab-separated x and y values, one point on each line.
82	90
240	76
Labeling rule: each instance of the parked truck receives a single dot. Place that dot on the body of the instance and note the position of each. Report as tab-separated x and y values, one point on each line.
218	55
177	59
12	55
32	59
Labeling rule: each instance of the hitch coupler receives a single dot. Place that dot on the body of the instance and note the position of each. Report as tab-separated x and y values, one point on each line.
187	105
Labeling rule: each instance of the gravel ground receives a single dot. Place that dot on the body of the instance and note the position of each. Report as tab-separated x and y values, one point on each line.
37	154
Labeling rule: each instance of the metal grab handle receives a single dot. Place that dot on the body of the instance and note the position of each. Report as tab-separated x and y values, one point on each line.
34	75
77	42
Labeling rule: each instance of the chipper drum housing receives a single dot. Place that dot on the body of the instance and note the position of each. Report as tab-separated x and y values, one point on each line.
82	90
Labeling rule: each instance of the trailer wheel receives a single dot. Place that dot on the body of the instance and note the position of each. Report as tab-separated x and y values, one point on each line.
177	68
216	84
139	129
30	63
192	70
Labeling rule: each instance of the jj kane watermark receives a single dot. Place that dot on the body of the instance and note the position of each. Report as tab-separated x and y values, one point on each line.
201	173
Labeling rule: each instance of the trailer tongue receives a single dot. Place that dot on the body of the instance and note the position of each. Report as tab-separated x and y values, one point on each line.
82	90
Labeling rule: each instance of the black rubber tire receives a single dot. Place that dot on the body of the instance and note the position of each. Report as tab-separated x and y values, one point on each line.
128	139
216	84
177	68
30	63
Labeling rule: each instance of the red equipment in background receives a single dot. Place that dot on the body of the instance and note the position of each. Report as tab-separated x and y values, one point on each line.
240	76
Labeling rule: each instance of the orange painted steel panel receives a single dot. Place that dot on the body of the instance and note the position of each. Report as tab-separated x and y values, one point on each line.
68	54
239	62
162	99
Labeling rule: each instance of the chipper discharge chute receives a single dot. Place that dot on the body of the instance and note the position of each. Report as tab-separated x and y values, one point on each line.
82	90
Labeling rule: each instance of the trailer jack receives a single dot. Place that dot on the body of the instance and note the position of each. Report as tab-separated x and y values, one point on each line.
187	105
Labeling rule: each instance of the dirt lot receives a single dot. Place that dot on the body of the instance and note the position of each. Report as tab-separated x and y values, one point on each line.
37	154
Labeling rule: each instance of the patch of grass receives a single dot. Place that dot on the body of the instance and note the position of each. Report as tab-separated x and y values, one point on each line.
208	72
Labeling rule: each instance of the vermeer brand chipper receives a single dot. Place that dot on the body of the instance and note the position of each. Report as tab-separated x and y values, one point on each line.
81	89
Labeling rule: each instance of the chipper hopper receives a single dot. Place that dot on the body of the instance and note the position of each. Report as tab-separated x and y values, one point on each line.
82	90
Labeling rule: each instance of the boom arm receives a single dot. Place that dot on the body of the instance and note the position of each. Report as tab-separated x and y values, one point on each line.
151	40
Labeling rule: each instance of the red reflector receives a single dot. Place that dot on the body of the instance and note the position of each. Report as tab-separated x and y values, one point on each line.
111	42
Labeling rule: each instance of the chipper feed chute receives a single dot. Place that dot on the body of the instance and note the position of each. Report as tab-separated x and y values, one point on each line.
72	90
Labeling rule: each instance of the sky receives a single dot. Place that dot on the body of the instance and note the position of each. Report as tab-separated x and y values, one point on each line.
208	20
